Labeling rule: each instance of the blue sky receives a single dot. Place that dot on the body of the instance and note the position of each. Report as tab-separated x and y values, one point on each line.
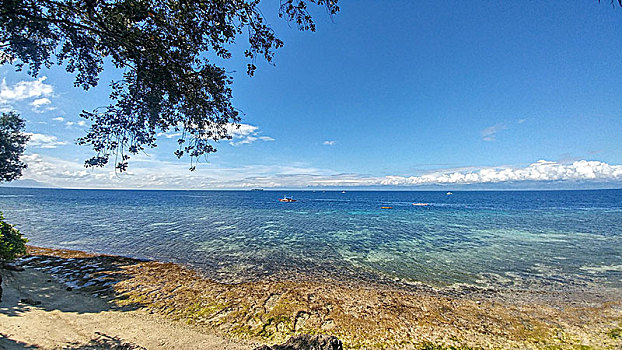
407	94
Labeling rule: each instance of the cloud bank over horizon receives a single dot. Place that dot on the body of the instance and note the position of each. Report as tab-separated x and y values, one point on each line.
541	170
157	174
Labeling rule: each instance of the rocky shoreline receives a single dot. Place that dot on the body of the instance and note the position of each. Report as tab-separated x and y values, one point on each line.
361	315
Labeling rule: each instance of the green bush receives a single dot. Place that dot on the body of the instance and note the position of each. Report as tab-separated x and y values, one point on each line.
12	244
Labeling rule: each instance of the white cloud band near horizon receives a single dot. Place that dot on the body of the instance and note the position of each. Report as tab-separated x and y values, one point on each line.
154	174
541	170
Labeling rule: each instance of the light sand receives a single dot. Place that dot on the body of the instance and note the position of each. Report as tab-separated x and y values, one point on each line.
69	319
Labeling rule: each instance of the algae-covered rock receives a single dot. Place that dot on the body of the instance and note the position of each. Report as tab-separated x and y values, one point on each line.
307	342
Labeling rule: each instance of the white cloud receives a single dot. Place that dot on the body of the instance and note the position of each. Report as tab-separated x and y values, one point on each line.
59	119
242	130
41	102
328	142
154	174
245	134
169	135
79	123
24	90
150	173
44	141
42	105
241	134
490	133
541	170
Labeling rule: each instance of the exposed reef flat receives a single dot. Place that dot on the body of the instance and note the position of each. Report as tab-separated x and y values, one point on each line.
362	315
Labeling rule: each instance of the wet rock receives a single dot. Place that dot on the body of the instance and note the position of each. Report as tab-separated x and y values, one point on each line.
301	318
69	289
13	267
30	301
328	324
307	342
271	302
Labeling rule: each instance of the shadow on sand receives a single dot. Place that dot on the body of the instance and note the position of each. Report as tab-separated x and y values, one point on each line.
99	342
9	344
67	284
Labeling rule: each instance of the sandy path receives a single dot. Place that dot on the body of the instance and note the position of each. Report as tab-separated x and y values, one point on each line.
68	319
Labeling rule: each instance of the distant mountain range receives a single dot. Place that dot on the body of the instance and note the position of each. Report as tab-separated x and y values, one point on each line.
28	183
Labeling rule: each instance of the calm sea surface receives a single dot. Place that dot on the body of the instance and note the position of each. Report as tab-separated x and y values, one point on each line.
531	239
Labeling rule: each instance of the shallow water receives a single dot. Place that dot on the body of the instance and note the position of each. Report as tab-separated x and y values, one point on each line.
529	239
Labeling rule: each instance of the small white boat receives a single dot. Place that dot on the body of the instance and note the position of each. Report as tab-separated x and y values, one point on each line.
449	193
343	191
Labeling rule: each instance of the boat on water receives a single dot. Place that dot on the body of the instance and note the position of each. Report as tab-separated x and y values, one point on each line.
257	189
421	204
343	191
287	199
386	207
449	193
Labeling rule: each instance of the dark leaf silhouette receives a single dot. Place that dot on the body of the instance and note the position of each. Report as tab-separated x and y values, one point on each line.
164	50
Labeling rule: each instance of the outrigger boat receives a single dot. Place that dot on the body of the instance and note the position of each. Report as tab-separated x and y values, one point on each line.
286	199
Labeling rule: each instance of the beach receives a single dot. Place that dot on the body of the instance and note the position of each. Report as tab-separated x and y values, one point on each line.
310	175
39	312
77	298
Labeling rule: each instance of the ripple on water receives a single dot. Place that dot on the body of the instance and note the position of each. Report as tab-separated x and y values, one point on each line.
534	239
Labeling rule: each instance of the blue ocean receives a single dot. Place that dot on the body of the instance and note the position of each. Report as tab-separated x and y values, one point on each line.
511	239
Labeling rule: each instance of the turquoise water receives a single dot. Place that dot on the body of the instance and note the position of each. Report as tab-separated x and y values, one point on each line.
530	239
